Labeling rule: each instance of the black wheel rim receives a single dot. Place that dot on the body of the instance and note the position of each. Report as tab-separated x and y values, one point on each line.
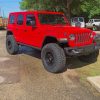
9	44
49	58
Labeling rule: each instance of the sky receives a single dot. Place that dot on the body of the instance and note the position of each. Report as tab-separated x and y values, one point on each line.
7	6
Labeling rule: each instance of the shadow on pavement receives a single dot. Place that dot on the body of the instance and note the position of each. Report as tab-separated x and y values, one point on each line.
2	29
30	51
72	63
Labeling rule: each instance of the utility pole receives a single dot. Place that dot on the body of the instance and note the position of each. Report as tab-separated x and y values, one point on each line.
0	12
3	14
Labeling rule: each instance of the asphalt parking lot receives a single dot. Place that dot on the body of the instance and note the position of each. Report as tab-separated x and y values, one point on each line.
22	77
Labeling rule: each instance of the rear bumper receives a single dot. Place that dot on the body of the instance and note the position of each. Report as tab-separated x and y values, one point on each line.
77	51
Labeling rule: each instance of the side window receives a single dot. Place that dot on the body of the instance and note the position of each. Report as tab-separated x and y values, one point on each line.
20	20
30	20
12	19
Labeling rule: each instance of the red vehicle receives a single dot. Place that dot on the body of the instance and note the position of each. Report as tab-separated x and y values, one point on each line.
52	34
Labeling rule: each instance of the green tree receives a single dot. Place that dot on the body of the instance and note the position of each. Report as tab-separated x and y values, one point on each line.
70	7
53	5
91	7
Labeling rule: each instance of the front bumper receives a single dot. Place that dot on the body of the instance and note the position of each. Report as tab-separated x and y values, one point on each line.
85	50
77	51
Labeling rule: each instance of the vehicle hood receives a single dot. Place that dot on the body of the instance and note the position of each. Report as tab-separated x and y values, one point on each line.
67	29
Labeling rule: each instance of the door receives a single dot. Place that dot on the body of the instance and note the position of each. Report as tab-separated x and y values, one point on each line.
12	24
90	23
20	28
32	31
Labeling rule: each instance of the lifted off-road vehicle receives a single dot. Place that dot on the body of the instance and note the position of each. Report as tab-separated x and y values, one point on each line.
52	34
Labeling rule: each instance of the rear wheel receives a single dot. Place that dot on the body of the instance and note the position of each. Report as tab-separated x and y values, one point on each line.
90	58
11	45
53	57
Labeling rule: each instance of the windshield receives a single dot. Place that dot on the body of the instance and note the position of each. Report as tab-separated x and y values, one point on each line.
52	19
78	19
81	19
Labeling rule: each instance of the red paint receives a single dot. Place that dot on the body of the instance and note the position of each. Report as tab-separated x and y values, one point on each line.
35	36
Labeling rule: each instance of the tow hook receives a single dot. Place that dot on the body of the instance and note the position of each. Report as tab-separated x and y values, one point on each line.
75	51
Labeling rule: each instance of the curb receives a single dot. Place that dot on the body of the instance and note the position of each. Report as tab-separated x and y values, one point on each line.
95	81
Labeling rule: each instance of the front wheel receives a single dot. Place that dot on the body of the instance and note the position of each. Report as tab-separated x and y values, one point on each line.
89	58
53	57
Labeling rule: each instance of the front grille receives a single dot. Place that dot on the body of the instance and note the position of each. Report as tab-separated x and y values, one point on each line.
82	38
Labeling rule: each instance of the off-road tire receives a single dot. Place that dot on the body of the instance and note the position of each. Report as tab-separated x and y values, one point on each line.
59	59
92	57
11	45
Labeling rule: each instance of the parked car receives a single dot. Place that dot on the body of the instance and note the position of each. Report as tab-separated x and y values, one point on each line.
51	33
78	21
93	24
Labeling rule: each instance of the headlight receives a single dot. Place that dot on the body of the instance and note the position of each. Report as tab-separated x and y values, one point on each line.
72	37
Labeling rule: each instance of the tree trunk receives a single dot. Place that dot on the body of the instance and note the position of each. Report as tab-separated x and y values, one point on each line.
69	2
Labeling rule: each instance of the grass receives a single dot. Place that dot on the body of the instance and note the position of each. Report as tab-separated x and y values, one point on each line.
89	70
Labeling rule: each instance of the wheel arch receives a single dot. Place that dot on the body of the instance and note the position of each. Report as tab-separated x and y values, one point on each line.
9	33
49	39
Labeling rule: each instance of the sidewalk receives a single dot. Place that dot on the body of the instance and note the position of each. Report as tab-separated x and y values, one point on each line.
95	81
